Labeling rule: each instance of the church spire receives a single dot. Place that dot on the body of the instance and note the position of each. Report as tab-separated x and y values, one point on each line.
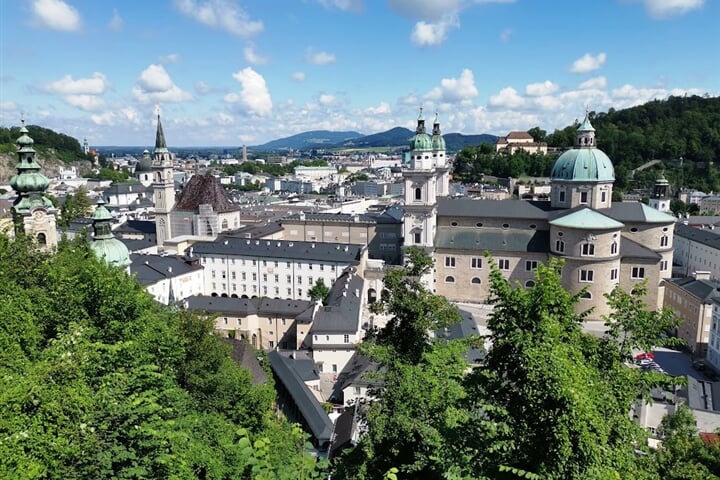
586	133
160	145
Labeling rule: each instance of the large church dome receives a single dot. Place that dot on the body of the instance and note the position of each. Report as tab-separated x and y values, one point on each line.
421	140
585	162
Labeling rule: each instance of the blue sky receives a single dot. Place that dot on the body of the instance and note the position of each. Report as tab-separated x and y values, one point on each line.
233	72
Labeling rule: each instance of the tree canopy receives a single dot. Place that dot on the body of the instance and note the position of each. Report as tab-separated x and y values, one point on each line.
98	381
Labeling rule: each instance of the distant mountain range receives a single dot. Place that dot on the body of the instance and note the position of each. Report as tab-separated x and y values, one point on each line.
395	137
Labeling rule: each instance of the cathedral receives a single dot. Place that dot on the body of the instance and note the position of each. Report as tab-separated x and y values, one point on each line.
602	244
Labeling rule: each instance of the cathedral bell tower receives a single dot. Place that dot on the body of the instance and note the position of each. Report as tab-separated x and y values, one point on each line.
163	186
33	213
421	189
660	198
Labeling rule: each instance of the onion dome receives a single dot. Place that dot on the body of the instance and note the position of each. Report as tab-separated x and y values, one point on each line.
585	162
438	142
421	140
29	183
105	245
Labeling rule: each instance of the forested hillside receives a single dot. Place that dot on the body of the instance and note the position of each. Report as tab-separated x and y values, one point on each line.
47	143
98	381
667	130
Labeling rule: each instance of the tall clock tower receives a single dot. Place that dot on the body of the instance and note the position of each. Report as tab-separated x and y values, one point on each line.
163	186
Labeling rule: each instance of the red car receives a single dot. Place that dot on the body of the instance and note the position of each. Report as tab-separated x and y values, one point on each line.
645	356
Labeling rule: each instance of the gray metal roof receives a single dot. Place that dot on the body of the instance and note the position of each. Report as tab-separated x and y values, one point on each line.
705	290
341	314
299	309
244	355
308	406
703	395
468	207
632	249
636	212
144	227
492	239
280	249
464	329
150	269
699	235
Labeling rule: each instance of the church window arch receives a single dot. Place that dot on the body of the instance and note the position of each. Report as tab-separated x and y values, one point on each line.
42	239
449	279
476	281
418	193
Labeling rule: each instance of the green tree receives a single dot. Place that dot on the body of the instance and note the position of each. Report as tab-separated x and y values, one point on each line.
76	206
319	291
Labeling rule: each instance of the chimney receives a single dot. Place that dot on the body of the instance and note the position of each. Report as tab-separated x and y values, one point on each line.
169	269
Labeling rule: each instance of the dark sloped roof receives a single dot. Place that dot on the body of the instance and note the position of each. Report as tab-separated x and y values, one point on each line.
468	207
632	249
493	239
464	329
705	290
204	190
355	372
248	306
703	236
308	406
343	431
150	269
260	230
121	188
342	312
244	355
280	249
144	227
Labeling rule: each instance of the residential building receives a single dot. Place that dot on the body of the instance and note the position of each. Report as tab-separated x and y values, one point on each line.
245	268
696	249
520	141
692	298
713	347
168	278
710	205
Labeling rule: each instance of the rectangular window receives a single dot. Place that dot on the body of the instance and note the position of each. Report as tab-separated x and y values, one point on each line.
299	280
504	264
664	241
299	292
586	275
233	275
559	246
356	390
254	277
663	265
271	344
614	274
346	338
588	249
637	272
243	275
476	262
334	368
583	197
450	262
562	196
416	238
264	277
603	197
531	265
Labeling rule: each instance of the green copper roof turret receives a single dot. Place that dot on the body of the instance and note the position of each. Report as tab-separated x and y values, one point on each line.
421	140
438	142
29	183
105	245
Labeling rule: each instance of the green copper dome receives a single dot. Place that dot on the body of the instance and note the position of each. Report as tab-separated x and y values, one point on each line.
421	140
438	142
29	183
105	245
583	165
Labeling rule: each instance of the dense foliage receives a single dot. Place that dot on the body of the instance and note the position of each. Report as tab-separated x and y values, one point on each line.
548	401
65	147
98	381
687	127
275	169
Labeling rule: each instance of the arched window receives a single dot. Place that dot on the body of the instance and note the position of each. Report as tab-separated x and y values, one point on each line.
476	281
559	246
42	239
418	193
530	284
613	248
586	295
449	279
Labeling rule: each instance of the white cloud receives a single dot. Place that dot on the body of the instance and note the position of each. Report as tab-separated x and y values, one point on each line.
348	5
82	86
8	106
540	89
155	85
432	33
224	119
223	14
671	8
506	98
202	88
123	116
505	35
597	83
116	22
453	90
382	109
168	59
85	102
319	58
588	63
56	15
253	57
298	76
254	94
328	100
